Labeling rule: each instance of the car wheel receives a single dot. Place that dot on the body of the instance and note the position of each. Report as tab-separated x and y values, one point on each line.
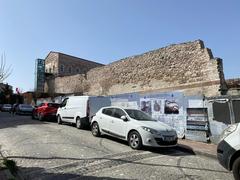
135	140
40	117
33	116
59	120
236	168
95	129
79	124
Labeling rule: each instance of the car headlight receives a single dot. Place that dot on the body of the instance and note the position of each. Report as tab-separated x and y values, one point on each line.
228	131
152	131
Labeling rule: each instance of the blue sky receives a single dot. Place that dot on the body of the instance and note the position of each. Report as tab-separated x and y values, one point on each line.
108	30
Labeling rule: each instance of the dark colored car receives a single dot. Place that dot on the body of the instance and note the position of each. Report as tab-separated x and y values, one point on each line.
6	108
22	109
45	111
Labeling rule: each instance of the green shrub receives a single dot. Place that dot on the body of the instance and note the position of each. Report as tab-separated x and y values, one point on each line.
11	165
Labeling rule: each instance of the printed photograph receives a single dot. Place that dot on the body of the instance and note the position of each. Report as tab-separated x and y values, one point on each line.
171	107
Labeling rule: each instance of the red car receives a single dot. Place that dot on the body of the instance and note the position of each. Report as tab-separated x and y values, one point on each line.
45	111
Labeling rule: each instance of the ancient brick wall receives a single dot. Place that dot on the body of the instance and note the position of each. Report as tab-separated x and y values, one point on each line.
67	84
189	67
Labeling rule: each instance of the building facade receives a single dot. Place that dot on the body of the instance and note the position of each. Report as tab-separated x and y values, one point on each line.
39	75
59	64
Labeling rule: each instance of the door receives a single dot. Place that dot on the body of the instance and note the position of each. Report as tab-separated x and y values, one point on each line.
118	126
63	110
96	103
105	119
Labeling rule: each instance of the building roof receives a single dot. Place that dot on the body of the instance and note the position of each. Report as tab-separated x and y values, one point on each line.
81	59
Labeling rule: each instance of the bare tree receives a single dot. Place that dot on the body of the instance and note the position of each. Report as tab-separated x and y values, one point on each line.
4	70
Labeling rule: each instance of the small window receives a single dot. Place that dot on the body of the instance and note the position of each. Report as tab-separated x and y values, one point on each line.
70	70
64	102
77	70
50	70
118	113
108	111
62	68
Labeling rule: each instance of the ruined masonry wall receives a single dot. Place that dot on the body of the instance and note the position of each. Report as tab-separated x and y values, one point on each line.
188	67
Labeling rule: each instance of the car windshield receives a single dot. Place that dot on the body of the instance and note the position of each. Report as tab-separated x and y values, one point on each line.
138	115
26	106
53	105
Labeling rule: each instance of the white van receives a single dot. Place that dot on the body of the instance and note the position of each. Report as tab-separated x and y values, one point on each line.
228	149
79	110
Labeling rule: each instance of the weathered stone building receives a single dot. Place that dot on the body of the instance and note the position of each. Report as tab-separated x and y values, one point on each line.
63	65
233	86
189	67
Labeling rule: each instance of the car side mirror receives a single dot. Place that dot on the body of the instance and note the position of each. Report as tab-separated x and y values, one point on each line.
124	118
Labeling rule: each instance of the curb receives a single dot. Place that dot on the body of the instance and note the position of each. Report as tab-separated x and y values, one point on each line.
186	149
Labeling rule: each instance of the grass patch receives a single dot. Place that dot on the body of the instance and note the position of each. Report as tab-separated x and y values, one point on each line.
2	166
11	165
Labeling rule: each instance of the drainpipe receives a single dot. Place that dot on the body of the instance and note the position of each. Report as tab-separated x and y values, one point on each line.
232	116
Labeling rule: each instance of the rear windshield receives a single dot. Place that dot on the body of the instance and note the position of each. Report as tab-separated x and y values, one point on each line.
53	105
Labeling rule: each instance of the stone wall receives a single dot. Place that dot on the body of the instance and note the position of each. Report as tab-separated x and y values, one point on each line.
233	87
67	84
189	67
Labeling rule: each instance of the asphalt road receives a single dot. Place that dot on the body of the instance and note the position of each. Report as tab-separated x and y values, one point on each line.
46	150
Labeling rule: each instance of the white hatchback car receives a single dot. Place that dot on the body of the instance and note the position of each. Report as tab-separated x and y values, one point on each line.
134	126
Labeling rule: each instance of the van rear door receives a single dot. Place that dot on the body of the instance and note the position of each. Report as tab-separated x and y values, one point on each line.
96	103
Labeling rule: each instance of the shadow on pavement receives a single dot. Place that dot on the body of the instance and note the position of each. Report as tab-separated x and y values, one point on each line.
79	170
42	174
8	120
171	151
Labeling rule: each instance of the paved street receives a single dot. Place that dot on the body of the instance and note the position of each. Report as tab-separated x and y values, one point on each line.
46	150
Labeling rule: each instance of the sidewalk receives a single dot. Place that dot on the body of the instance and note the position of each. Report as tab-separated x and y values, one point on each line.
198	148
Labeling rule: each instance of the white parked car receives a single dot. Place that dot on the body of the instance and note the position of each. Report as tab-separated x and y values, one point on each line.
228	149
79	110
134	126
